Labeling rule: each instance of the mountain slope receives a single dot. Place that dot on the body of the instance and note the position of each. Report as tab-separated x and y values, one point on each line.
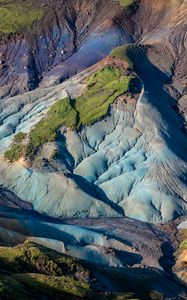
34	272
69	37
93	149
118	151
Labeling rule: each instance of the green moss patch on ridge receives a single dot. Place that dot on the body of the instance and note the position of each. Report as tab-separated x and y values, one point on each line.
129	53
103	88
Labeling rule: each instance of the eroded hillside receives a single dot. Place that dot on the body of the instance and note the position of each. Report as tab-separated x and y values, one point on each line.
82	156
65	38
112	139
111	147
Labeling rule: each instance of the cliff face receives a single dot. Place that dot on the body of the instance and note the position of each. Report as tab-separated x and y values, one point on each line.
163	25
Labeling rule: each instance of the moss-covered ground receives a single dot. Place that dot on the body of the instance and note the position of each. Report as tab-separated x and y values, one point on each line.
103	88
16	16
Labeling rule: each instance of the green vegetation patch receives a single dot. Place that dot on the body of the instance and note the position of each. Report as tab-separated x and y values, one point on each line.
17	149
122	53
14	153
31	257
130	53
183	238
52	285
103	88
126	3
42	271
19	137
11	289
183	245
61	113
15	16
31	271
